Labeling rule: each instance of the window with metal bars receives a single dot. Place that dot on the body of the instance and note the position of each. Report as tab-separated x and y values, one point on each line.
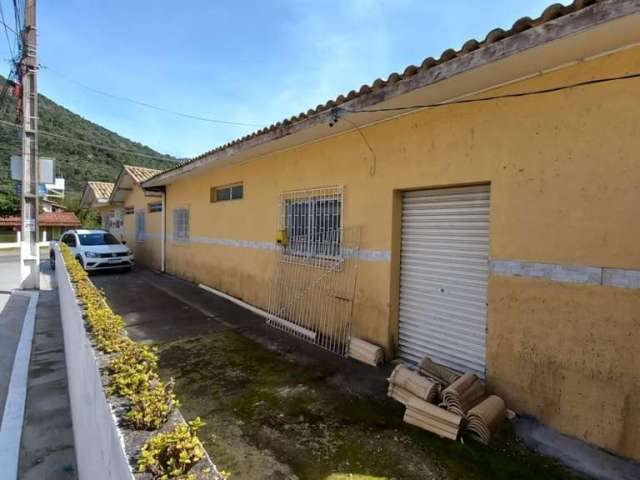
313	222
181	225
140	226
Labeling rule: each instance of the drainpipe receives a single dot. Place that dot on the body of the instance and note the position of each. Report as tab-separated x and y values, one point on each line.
164	231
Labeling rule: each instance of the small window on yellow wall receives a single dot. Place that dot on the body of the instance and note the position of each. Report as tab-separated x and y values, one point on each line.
154	207
227	192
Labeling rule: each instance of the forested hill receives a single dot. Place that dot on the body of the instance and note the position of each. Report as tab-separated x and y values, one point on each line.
75	161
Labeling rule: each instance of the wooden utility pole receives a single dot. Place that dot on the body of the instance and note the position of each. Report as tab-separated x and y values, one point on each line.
29	250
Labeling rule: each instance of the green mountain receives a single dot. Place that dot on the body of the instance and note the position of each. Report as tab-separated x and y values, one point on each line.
76	162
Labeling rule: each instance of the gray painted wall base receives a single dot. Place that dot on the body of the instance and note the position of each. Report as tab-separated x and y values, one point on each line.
580	456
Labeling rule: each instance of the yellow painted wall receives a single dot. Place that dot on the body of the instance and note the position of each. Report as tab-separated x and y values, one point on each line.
147	252
565	174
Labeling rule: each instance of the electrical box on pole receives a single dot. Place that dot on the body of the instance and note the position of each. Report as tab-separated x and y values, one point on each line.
29	249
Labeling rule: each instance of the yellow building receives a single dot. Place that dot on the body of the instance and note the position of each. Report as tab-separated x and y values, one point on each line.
481	208
141	214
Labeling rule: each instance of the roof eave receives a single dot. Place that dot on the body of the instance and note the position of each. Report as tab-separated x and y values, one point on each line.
560	28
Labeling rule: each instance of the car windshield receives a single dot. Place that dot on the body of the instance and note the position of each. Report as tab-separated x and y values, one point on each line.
98	238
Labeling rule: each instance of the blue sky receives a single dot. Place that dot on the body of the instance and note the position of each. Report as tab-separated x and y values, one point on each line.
241	61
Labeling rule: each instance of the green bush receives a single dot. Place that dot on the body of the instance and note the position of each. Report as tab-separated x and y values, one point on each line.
132	371
173	454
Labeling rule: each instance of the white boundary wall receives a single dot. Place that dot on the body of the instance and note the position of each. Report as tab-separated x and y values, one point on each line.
99	446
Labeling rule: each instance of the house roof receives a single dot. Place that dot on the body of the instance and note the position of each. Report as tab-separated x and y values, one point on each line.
130	175
140	174
101	190
497	45
95	193
46	219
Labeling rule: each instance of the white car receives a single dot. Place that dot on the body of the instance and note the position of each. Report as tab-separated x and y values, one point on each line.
96	250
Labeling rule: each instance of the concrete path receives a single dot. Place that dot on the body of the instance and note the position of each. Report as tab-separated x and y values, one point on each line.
157	308
11	318
37	434
47	450
9	273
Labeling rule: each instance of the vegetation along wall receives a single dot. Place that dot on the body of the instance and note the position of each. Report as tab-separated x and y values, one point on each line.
564	172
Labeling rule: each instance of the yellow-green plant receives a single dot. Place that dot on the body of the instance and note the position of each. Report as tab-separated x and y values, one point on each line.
132	370
172	454
151	406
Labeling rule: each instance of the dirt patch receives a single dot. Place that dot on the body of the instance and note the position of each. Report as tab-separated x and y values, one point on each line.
270	418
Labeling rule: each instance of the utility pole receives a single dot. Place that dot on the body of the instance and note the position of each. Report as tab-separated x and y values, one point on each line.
29	250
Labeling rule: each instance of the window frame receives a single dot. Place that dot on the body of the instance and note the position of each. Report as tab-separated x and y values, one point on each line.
155	207
213	192
331	220
174	235
140	233
71	236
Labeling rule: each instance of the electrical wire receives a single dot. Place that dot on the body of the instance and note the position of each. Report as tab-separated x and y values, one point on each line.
372	168
148	105
6	32
495	97
86	142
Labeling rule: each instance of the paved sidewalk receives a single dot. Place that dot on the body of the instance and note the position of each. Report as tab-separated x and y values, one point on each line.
12	312
47	450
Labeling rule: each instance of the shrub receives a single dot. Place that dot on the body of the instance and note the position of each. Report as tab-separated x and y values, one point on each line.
132	371
172	454
131	367
151	405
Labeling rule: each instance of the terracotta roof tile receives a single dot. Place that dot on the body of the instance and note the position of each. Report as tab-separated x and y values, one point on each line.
101	190
550	13
46	219
140	174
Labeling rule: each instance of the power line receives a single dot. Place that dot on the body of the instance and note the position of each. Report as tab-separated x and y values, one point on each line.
86	142
148	105
495	97
11	29
6	32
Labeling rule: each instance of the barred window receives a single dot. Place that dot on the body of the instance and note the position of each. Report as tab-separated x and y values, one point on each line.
154	207
140	226
128	210
181	225
313	222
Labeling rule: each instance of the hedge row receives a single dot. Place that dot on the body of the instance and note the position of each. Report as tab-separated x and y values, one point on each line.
132	371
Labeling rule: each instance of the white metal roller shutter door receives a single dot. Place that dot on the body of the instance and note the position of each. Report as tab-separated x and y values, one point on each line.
443	276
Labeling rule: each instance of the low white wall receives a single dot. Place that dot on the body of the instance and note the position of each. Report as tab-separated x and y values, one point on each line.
99	447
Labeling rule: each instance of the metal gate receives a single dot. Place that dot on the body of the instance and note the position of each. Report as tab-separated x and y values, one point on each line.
315	270
443	276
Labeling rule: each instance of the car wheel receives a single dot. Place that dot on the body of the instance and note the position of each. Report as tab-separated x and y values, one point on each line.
80	261
52	261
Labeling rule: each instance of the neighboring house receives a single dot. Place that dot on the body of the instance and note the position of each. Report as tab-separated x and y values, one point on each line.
141	214
497	234
51	206
51	224
96	197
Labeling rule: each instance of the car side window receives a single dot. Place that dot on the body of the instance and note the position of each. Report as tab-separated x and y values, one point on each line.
70	240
